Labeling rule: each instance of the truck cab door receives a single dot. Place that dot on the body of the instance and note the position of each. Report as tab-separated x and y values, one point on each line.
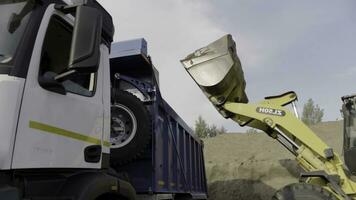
61	122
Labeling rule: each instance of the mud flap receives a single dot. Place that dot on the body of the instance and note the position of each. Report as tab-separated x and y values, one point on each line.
9	193
91	185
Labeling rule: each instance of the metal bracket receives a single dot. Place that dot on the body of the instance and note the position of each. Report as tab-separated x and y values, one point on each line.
283	99
145	88
329	153
66	9
333	181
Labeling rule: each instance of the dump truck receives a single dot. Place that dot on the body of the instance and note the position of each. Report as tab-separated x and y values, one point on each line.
217	71
151	145
82	118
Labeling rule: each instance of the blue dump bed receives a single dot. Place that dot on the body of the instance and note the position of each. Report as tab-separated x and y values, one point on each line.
174	161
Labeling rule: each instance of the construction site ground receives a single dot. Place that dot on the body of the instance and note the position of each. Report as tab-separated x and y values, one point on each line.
254	166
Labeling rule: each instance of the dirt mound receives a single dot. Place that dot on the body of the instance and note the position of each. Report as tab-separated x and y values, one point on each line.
240	189
254	166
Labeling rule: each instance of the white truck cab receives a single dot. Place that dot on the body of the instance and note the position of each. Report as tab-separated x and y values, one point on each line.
42	127
55	105
79	122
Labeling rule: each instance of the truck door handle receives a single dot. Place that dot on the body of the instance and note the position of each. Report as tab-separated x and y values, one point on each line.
92	153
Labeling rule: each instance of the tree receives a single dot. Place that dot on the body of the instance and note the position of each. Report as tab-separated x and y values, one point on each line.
203	130
222	130
312	114
212	131
201	127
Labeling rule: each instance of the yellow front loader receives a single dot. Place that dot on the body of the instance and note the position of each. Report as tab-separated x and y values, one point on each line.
217	71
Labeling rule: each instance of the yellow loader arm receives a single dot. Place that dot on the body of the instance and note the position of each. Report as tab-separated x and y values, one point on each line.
217	71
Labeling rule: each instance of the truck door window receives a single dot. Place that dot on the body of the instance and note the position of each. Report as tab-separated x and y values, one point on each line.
55	58
14	16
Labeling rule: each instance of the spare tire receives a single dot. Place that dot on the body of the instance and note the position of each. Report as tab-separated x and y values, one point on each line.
131	128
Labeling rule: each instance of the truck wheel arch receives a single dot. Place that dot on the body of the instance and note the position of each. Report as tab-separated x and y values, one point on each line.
94	185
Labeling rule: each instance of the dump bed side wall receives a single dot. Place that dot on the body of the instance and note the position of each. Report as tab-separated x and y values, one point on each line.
174	163
177	155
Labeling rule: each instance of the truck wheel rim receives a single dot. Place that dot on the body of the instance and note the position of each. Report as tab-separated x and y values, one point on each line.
123	126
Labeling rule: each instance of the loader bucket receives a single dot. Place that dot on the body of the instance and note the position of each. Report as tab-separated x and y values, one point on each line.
217	71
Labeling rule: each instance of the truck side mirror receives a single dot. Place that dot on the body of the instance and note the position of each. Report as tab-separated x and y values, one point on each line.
49	83
85	47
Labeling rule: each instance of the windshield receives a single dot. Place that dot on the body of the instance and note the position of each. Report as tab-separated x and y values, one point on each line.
14	15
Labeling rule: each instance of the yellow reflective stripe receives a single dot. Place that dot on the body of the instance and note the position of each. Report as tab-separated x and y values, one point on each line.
161	183
66	133
107	144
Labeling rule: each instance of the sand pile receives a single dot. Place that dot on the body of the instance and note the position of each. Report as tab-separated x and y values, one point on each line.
254	166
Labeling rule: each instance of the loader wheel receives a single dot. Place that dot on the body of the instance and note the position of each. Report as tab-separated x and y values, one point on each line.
303	191
131	128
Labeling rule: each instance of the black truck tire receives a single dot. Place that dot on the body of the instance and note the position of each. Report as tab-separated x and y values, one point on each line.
131	128
303	191
183	198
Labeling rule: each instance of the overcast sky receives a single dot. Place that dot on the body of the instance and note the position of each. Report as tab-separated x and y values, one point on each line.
305	46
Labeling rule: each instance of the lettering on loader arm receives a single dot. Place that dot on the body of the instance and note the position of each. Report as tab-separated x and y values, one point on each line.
271	111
